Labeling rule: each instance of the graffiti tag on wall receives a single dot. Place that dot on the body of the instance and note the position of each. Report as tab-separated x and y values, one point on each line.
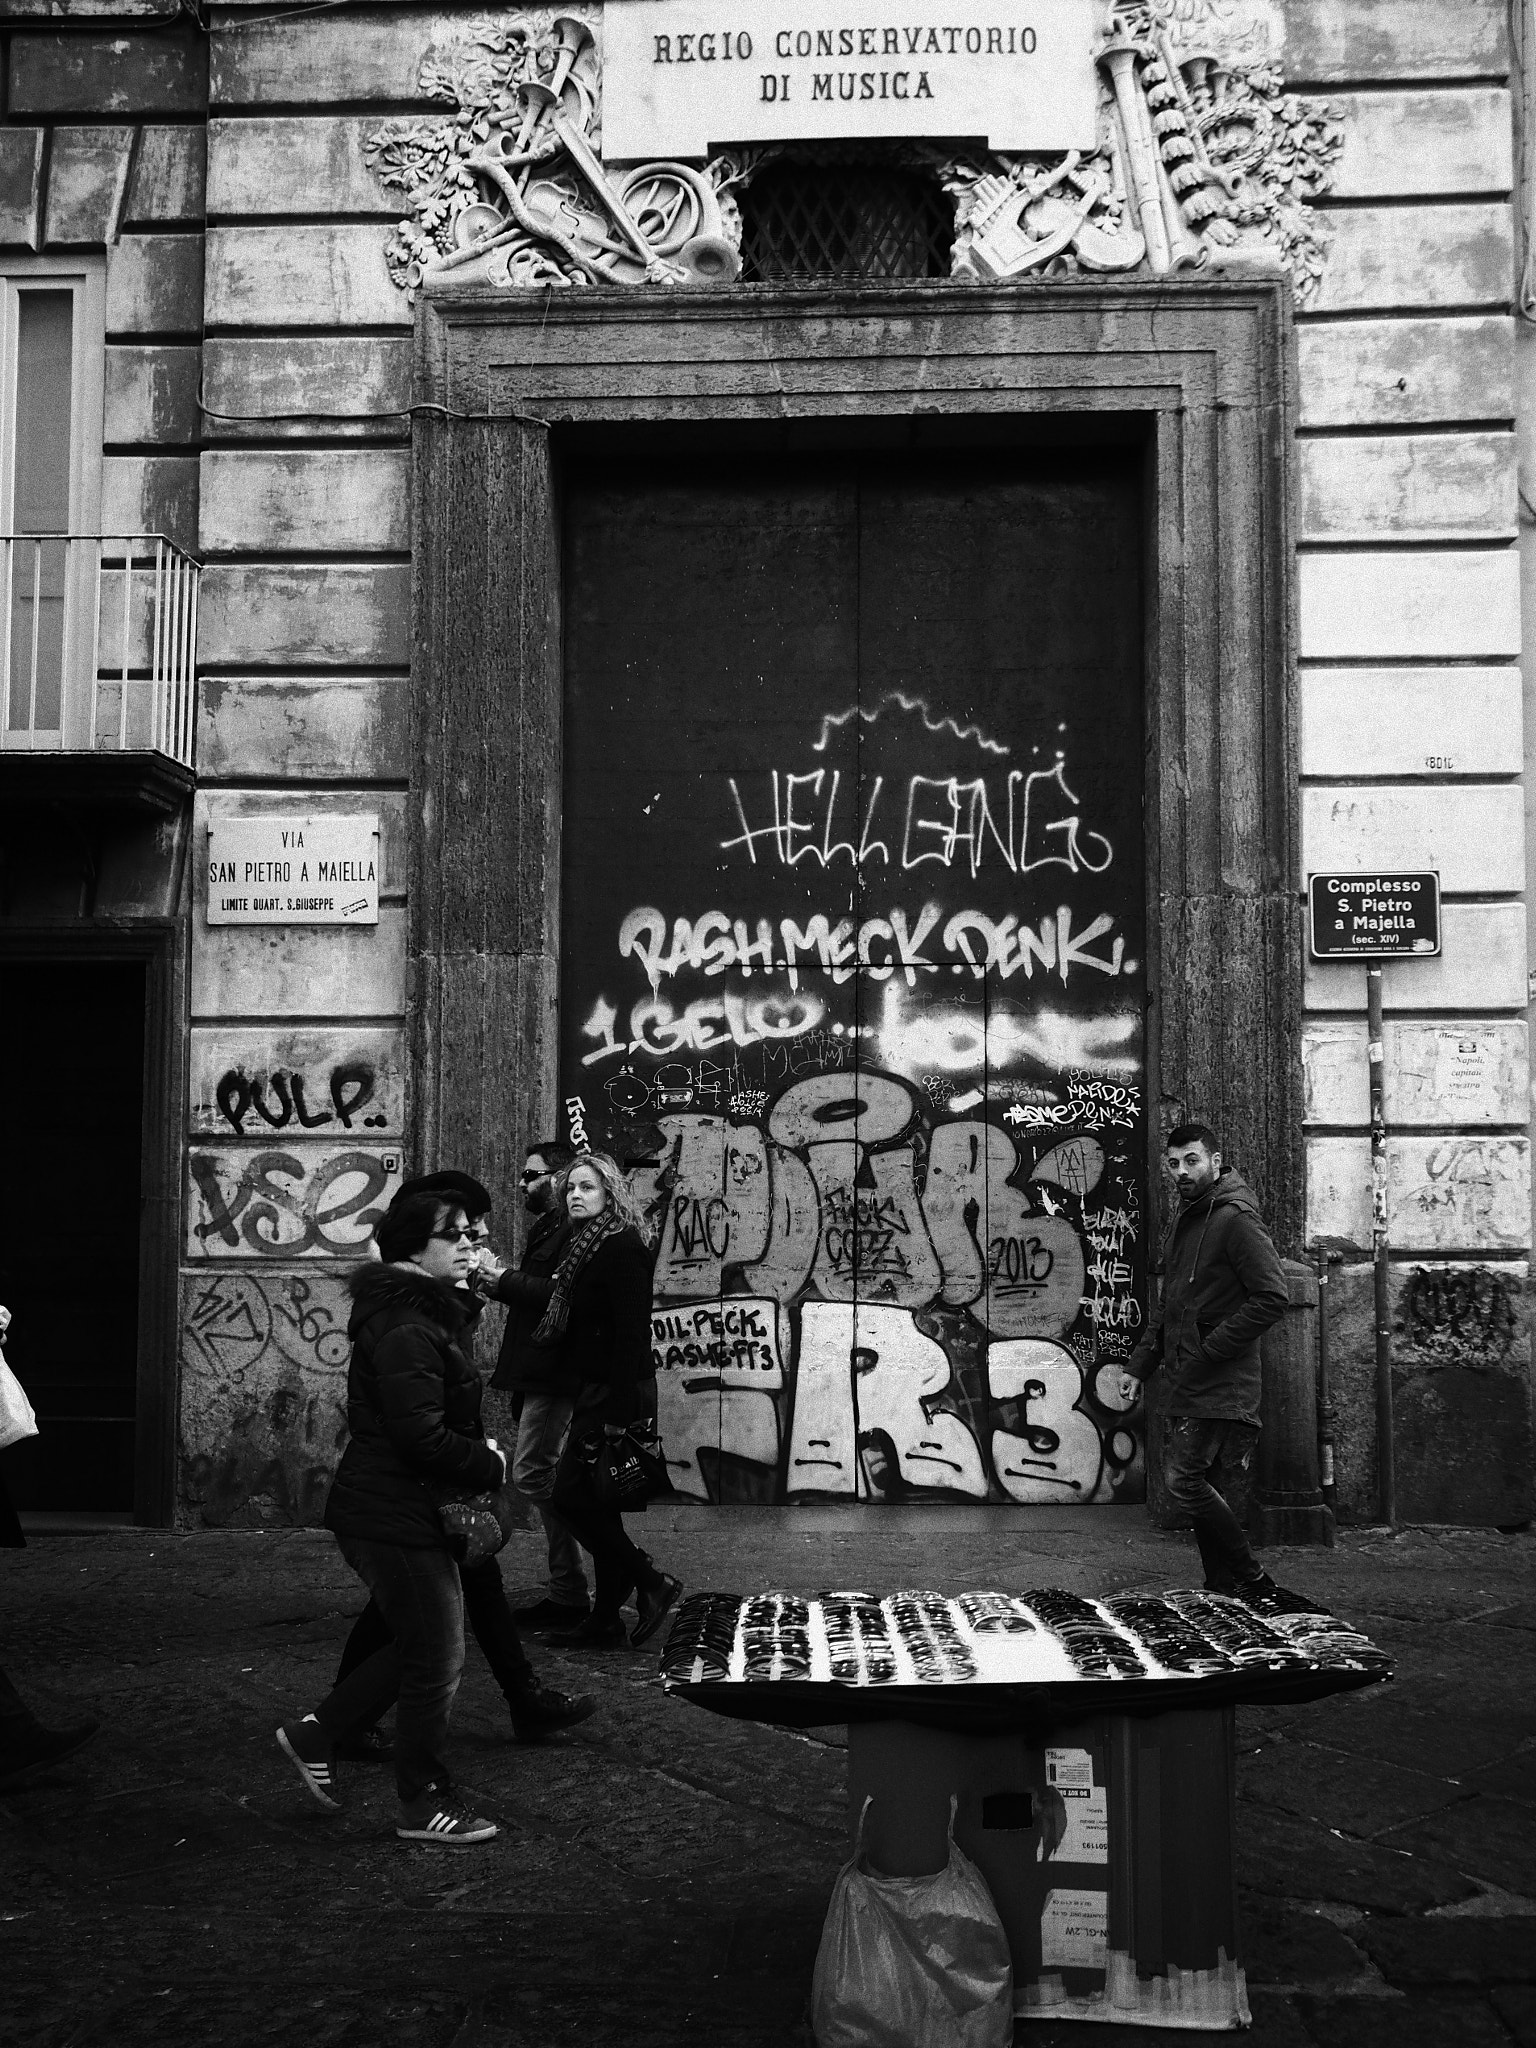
897	1209
898	1336
1461	1315
264	1374
854	987
286	1202
251	1083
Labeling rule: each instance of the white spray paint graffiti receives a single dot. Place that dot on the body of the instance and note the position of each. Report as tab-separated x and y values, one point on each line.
889	1148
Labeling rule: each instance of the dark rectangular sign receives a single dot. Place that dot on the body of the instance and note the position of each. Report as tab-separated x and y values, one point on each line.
1374	917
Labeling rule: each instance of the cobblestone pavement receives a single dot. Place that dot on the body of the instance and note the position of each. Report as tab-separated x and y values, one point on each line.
661	1875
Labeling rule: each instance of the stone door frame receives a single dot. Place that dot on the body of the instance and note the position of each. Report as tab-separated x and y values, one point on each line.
1204	367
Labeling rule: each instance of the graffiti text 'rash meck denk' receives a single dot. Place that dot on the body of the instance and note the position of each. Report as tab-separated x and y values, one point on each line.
1027	824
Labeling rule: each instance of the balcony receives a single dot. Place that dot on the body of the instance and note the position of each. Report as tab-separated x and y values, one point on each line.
97	670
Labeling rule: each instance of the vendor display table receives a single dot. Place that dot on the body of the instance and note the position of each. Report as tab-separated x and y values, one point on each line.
1090	1744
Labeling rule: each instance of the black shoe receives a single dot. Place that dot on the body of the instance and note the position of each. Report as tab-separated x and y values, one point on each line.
442	1817
1265	1597
32	1747
597	1632
308	1749
540	1710
553	1617
1227	1586
372	1746
652	1605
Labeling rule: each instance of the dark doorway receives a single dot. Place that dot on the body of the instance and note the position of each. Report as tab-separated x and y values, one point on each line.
72	1052
853	956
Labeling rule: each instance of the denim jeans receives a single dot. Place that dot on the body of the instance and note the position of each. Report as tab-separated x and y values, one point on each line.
491	1622
542	1428
1195	1447
419	1596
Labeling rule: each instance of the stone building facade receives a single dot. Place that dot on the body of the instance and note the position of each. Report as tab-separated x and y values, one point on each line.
1256	405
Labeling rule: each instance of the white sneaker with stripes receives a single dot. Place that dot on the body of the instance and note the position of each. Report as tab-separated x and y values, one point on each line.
436	1816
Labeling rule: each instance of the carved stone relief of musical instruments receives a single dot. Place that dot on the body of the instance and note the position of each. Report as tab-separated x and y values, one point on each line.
1202	163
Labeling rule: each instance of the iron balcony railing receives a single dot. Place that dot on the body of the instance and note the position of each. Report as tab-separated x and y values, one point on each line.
100	647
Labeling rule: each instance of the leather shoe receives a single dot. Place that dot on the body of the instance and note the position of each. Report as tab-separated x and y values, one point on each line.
653	1603
597	1632
540	1710
553	1617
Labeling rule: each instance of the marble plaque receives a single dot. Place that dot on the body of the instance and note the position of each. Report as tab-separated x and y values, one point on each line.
682	76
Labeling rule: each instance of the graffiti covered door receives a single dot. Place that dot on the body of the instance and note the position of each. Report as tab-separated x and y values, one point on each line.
852	959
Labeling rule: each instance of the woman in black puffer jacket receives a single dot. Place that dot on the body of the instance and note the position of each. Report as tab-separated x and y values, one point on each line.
598	1323
413	1410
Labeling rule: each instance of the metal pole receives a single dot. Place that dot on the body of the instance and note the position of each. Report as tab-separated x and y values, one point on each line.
1325	1413
1376	1055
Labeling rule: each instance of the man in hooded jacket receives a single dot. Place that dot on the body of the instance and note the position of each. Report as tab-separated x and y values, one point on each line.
1223	1286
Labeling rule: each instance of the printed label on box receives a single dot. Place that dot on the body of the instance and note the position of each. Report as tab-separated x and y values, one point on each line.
1074	1931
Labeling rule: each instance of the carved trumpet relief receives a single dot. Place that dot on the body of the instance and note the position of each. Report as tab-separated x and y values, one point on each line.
512	189
1203	162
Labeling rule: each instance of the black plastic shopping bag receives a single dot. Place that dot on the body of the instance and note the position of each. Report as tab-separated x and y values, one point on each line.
912	1962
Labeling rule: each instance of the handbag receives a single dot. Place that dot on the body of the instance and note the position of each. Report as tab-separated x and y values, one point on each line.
17	1419
477	1524
626	1465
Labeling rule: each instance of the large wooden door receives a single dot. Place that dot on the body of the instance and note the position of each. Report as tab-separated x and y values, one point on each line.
852	958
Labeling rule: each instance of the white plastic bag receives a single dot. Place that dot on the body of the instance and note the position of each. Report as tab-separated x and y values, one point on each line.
16	1417
912	1962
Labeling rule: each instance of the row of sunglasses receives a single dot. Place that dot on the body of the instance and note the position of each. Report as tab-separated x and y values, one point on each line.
1186	1633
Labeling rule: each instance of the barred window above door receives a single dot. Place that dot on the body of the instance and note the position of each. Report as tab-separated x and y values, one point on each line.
843	220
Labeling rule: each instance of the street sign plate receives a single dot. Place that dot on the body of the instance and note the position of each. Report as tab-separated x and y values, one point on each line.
322	869
1374	917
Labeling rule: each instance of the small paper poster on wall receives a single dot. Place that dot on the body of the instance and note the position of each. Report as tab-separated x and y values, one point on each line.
1081	1808
1074	1930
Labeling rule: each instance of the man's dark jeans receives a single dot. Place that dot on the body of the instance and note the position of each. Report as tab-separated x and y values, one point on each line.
418	1594
1194	1448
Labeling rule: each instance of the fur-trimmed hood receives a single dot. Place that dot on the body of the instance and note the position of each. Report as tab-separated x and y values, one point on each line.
378	1289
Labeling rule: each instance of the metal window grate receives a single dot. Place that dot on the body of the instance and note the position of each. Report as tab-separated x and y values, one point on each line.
843	220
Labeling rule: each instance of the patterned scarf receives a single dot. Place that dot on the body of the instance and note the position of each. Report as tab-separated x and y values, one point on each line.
577	1254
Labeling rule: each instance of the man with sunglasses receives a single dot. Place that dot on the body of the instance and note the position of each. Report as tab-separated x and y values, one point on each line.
540	1409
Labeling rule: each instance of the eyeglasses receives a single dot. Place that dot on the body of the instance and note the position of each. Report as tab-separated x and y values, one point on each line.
464	1235
532	1173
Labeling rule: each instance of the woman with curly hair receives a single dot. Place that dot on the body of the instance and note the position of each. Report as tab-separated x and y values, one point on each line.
599	1321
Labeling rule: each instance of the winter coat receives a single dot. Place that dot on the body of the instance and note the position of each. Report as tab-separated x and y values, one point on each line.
605	1348
522	1366
413	1409
1223	1286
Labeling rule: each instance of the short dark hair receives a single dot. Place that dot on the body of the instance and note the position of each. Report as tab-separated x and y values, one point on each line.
410	1220
1192	1134
471	1196
554	1152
